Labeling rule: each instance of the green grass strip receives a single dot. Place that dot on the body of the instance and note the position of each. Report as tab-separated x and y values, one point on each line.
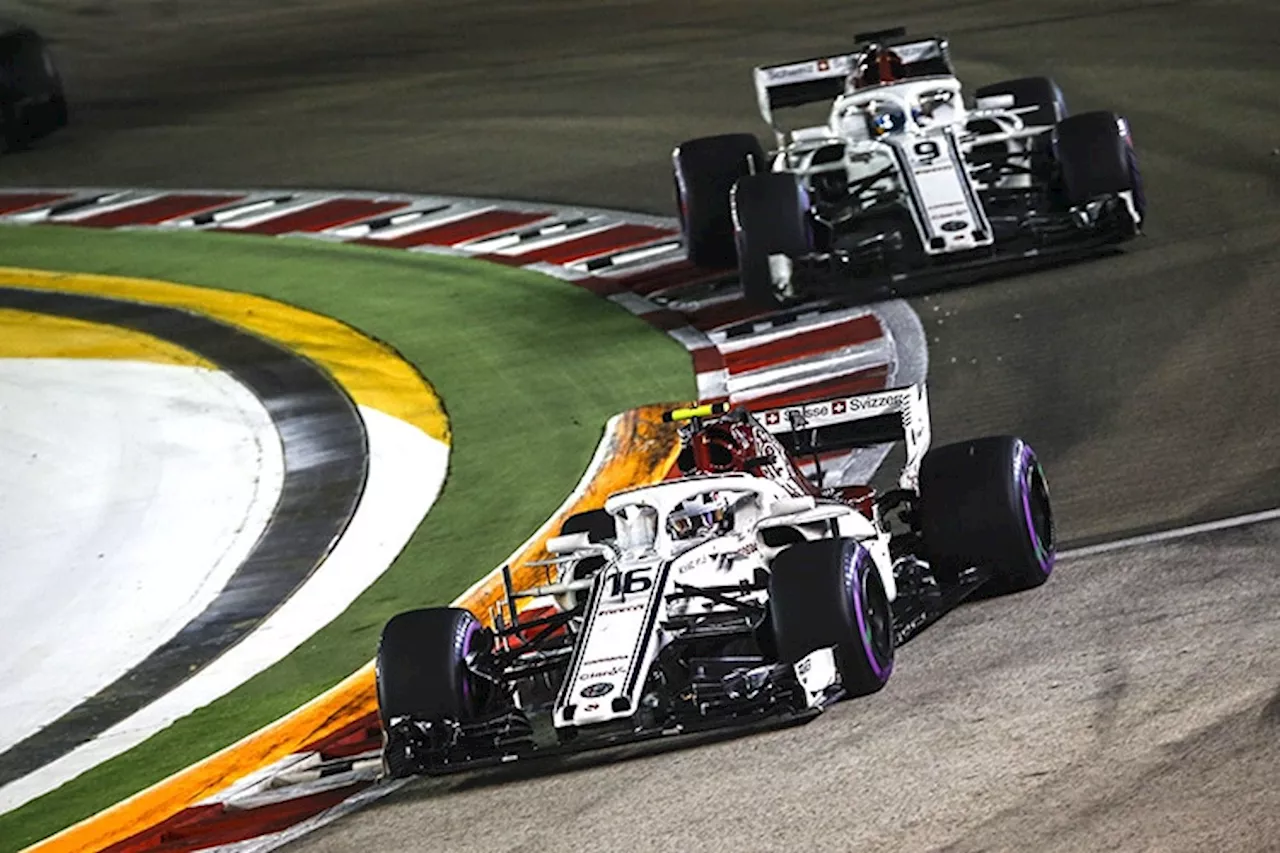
529	369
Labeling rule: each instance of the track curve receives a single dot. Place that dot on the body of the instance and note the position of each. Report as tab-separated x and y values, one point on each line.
1141	378
1145	381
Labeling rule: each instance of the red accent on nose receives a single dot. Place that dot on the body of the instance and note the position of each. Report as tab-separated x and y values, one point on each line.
523	638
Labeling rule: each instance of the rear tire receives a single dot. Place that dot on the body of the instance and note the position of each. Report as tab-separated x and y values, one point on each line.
1095	159
1039	92
829	593
985	503
705	170
769	218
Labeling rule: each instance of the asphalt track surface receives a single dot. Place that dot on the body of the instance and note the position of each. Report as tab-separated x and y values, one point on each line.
1132	703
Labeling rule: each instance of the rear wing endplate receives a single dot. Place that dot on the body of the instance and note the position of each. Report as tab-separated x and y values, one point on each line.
803	82
861	420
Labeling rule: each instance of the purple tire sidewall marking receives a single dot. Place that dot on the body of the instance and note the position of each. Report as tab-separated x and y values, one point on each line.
1026	464
473	628
853	580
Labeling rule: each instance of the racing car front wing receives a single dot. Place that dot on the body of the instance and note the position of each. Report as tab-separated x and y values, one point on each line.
725	695
762	696
883	267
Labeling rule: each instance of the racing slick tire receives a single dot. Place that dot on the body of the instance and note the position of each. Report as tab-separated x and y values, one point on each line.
1039	92
828	593
768	219
1097	159
705	170
422	673
985	503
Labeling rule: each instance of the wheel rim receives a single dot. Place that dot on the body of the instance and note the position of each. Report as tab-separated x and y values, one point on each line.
879	628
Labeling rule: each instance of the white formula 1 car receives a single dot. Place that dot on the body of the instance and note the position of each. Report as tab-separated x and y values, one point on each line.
734	592
904	182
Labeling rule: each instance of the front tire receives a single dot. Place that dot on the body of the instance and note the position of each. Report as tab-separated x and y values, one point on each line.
829	593
705	170
985	503
769	218
1039	92
422	673
1095	159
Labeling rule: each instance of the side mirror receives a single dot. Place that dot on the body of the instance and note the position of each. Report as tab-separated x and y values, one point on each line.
569	543
995	102
788	506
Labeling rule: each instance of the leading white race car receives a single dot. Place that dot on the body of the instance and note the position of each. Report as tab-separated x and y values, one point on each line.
734	592
904	182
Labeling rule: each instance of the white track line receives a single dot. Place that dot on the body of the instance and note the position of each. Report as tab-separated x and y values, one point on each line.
1175	533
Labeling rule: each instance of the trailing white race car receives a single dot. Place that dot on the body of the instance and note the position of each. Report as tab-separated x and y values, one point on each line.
904	182
735	591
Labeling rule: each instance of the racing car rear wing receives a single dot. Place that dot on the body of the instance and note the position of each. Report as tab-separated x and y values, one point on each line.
861	420
807	81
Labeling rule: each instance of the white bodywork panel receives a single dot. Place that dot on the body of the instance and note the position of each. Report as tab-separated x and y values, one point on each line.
622	631
817	673
947	212
924	158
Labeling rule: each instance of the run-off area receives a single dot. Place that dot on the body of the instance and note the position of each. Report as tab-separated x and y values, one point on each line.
129	492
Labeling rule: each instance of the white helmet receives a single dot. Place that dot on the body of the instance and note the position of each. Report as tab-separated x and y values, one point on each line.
699	516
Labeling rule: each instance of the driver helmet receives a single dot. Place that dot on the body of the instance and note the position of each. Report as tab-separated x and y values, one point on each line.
877	65
885	118
700	516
